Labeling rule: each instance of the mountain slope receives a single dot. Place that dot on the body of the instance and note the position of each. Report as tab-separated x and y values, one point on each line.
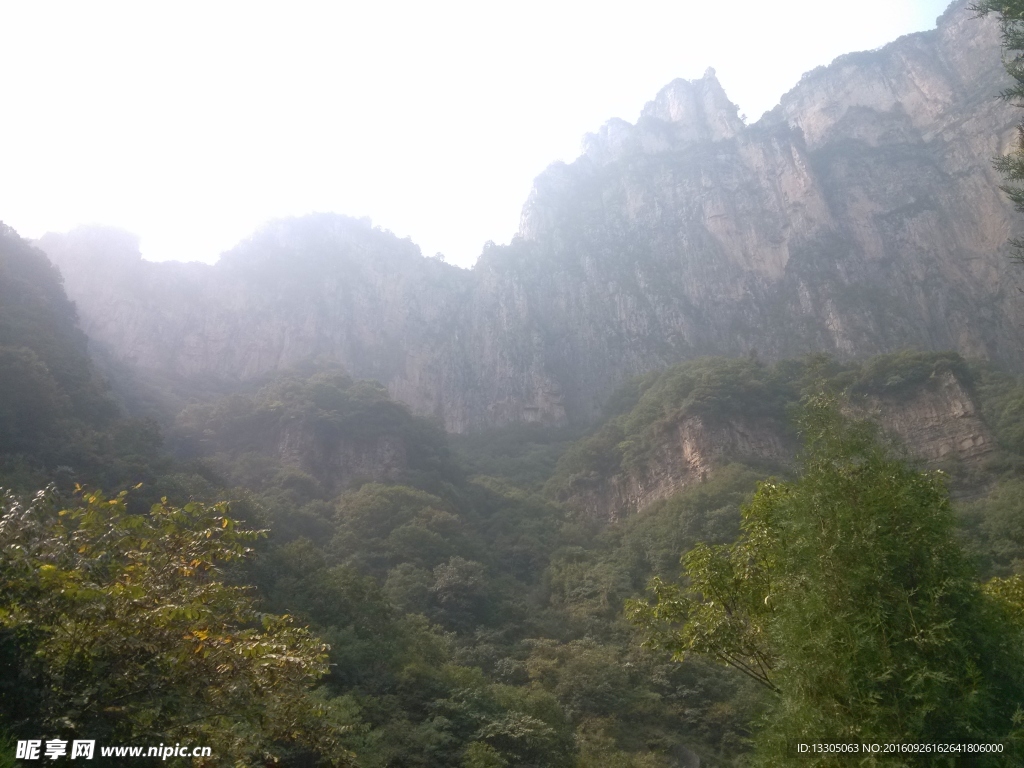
860	216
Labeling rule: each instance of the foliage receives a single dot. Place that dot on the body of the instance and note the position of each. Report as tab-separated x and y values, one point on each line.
848	597
711	389
903	373
1011	166
398	552
30	400
1002	402
520	454
57	419
381	527
651	703
520	528
124	628
995	523
36	315
494	567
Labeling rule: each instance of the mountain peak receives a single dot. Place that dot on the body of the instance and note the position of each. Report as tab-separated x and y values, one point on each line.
683	112
699	109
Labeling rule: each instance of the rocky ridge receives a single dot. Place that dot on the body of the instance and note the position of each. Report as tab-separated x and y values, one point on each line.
938	423
689	453
860	216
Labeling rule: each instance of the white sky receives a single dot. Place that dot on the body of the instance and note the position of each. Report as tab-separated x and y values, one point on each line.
191	123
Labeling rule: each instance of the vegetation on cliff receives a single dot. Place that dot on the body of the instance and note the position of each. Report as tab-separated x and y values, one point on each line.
470	621
57	416
1011	165
447	606
848	596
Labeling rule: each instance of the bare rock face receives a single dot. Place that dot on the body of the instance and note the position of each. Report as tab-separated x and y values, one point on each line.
860	216
444	341
692	450
683	112
938	423
339	463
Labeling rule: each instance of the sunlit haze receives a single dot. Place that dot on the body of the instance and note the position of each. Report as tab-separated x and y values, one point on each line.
191	124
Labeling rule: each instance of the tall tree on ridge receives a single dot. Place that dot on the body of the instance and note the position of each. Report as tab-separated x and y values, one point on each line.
1011	166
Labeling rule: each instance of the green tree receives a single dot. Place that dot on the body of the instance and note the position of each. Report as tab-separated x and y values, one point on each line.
30	401
1011	166
848	597
121	628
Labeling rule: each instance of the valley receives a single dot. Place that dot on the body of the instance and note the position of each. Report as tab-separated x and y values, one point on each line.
330	502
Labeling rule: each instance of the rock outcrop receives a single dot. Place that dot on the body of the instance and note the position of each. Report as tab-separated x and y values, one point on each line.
690	452
339	462
937	422
862	215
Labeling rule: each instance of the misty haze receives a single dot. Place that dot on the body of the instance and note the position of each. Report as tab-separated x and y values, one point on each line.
711	455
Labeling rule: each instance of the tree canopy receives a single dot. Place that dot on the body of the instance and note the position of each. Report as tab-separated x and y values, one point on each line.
123	627
848	596
1011	165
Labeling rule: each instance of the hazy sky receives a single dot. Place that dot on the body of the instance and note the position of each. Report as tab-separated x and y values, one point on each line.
191	123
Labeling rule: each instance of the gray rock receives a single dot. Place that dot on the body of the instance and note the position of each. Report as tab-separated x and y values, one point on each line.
862	215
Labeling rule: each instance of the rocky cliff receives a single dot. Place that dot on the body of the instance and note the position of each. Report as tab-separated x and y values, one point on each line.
696	418
940	423
324	431
691	450
861	215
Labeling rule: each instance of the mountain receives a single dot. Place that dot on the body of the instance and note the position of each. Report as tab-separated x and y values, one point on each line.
59	420
860	216
48	386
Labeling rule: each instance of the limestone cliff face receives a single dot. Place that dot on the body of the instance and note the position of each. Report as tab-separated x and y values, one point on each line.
443	341
860	216
938	423
339	462
691	451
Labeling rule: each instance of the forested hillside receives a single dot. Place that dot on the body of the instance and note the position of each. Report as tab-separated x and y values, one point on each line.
58	418
721	454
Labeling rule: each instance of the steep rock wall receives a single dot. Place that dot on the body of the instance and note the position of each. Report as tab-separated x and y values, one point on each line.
691	451
938	423
860	216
